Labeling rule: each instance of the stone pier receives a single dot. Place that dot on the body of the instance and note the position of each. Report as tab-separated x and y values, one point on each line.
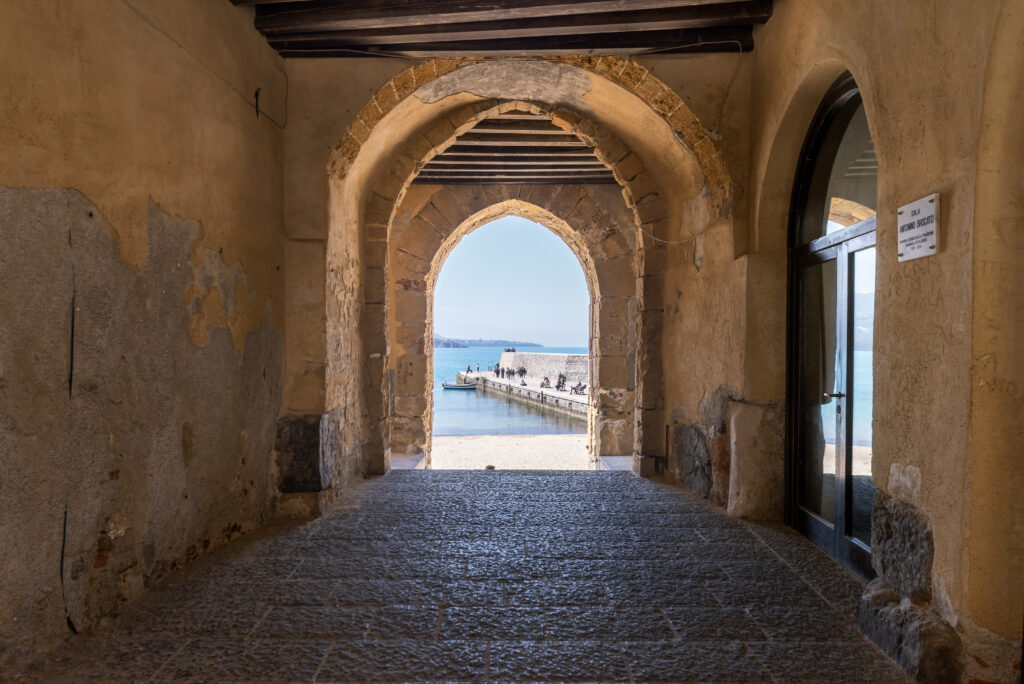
549	399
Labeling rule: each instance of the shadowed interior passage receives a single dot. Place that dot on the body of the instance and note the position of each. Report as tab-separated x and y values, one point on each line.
426	575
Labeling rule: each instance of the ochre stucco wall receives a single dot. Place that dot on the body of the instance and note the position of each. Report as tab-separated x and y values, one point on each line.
923	70
142	282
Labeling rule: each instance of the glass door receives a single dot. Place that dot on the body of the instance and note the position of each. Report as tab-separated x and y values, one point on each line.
832	397
831	313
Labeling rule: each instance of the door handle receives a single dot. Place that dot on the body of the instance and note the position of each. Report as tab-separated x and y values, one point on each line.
836	395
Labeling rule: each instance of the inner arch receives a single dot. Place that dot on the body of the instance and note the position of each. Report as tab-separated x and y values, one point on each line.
513	281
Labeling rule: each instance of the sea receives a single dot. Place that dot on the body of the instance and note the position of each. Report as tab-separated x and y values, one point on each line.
462	412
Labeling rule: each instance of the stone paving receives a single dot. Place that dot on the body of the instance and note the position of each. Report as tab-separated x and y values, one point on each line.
499	576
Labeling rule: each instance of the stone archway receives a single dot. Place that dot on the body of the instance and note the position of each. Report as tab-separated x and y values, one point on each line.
606	255
642	199
407	124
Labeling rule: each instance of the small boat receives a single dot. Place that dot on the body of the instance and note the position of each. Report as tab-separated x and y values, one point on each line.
458	385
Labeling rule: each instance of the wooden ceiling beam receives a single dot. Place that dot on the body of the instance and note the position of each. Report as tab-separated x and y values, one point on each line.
507	150
506	168
531	173
539	127
568	180
330	15
726	14
443	160
724	39
518	140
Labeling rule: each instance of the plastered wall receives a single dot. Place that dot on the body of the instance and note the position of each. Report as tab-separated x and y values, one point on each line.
922	73
141	288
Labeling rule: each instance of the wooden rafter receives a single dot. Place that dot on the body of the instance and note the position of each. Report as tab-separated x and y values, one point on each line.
520	28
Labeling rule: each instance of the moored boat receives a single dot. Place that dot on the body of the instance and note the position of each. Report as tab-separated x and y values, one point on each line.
458	385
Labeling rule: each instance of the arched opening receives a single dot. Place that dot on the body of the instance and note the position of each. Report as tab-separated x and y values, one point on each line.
607	265
417	117
831	319
511	312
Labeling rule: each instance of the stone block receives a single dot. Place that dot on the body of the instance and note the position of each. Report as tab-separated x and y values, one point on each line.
612	319
902	546
652	432
407	264
375	253
615	437
615	277
757	461
410	306
411	371
410	336
915	637
374	285
645	466
610	346
719	493
411	407
690	459
612	372
301	464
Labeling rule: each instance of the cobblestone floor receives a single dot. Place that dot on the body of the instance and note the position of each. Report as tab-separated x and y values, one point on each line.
430	575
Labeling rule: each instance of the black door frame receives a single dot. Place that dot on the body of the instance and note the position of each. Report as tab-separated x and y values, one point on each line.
834	538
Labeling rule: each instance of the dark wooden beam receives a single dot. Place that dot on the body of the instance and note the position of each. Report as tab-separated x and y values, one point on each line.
444	160
506	151
519	116
725	39
327	15
431	168
528	173
538	127
518	140
519	181
726	14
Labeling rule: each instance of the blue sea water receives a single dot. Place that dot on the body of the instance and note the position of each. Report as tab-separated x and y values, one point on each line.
863	401
481	413
464	412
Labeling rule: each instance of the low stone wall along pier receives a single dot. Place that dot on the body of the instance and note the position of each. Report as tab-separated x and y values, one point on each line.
573	366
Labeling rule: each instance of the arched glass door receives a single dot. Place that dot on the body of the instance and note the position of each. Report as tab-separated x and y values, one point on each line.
831	307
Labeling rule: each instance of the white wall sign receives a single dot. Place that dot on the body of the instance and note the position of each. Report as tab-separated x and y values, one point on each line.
918	228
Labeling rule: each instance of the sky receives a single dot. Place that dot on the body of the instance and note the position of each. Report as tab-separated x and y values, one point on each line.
513	279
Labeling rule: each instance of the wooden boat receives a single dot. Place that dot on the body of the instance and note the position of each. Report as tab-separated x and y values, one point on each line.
458	385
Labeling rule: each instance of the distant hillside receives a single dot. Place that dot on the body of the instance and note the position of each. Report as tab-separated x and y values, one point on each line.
449	342
445	343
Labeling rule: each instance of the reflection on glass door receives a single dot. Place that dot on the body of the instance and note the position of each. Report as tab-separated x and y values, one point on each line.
832	265
862	303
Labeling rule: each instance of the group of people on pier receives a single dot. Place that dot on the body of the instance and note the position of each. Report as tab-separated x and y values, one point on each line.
502	372
511	374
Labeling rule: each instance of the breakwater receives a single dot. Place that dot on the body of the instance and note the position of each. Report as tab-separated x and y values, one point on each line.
575	367
538	366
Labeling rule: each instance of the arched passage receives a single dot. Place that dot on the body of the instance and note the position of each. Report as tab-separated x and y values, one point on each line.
607	260
372	171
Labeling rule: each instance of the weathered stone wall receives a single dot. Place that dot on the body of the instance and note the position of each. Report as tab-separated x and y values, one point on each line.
538	365
394	131
429	224
140	299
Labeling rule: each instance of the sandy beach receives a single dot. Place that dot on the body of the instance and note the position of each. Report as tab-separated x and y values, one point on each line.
511	452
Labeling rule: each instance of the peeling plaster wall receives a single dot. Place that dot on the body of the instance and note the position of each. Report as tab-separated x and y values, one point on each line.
922	72
140	293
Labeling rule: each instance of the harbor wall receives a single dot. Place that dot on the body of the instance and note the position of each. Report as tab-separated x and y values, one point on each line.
549	399
537	365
